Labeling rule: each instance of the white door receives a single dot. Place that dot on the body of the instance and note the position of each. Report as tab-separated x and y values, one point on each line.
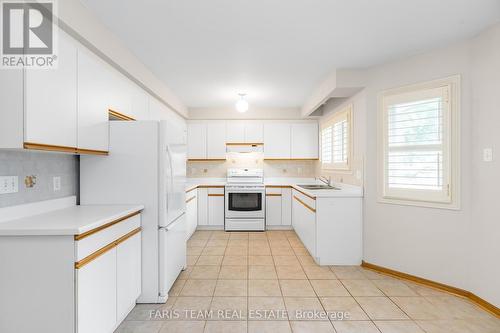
51	99
286	206
128	276
93	127
191	212
216	139
273	207
96	294
254	132
202	206
304	140
197	140
172	248
235	131
277	140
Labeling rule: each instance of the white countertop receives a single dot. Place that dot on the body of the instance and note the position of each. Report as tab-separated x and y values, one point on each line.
67	221
346	190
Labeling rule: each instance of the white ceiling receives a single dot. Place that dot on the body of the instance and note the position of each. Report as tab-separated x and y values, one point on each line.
277	51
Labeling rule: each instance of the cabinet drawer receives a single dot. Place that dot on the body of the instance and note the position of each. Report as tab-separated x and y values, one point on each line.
86	245
273	192
215	190
305	200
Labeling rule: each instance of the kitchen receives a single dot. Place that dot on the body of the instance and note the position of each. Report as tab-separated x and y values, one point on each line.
211	183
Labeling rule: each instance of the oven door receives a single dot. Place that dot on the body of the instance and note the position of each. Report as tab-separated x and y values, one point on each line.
245	203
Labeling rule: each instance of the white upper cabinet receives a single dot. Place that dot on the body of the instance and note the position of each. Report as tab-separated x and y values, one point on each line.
93	88
197	140
119	97
235	131
254	132
216	139
248	131
138	102
277	140
51	99
304	142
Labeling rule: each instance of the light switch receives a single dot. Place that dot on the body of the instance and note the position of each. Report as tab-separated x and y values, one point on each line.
487	154
9	184
57	183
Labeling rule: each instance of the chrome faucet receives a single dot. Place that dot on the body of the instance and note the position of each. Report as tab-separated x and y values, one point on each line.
327	181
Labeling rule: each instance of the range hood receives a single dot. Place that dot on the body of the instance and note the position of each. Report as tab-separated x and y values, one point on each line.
237	147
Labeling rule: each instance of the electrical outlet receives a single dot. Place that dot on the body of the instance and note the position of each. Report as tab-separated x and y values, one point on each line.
487	154
57	183
9	184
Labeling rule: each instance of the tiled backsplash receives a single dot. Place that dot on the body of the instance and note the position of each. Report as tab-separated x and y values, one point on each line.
44	166
217	169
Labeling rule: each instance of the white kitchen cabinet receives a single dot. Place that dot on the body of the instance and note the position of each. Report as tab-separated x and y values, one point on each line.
304	220
286	206
93	90
11	108
96	294
138	103
202	206
216	139
119	93
128	275
191	212
304	140
197	140
216	206
277	140
254	131
51	99
235	131
273	206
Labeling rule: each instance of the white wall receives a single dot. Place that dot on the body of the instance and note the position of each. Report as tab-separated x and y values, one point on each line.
82	24
252	113
456	247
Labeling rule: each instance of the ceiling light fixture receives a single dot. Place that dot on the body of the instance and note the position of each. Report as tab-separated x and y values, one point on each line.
242	104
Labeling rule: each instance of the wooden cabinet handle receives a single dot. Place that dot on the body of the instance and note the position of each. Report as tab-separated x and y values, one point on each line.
190	199
305	205
273	194
215	195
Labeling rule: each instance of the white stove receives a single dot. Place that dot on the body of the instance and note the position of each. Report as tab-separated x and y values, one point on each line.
245	200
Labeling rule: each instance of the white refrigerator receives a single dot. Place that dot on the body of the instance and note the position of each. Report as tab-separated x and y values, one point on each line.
146	165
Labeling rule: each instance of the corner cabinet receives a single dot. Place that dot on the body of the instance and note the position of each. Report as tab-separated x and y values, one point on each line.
191	211
211	206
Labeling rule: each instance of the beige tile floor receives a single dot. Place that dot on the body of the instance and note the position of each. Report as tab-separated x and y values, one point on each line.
267	282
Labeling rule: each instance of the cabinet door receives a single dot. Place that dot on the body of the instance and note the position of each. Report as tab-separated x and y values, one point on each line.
215	207
286	206
51	99
138	102
128	275
202	206
216	139
11	109
235	131
93	90
191	212
273	207
276	140
96	294
304	140
119	93
254	132
197	140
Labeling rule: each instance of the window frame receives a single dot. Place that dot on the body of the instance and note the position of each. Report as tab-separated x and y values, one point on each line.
451	146
346	112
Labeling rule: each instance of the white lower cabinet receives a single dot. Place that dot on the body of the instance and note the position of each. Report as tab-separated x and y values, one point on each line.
304	221
216	206
191	212
273	206
286	206
128	275
202	206
96	294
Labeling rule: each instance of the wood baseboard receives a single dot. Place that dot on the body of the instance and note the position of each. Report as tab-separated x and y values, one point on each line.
436	285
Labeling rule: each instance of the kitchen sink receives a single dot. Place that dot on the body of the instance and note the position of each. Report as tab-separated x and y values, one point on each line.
318	187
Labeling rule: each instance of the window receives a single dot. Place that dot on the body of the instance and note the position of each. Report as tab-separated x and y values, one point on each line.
420	143
336	140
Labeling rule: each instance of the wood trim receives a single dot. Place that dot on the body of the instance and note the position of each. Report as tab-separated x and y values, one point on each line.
191	189
44	147
211	186
63	149
278	186
205	159
91	151
119	115
291	159
104	226
244	143
307	195
190	199
303	203
215	195
273	194
436	285
105	249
